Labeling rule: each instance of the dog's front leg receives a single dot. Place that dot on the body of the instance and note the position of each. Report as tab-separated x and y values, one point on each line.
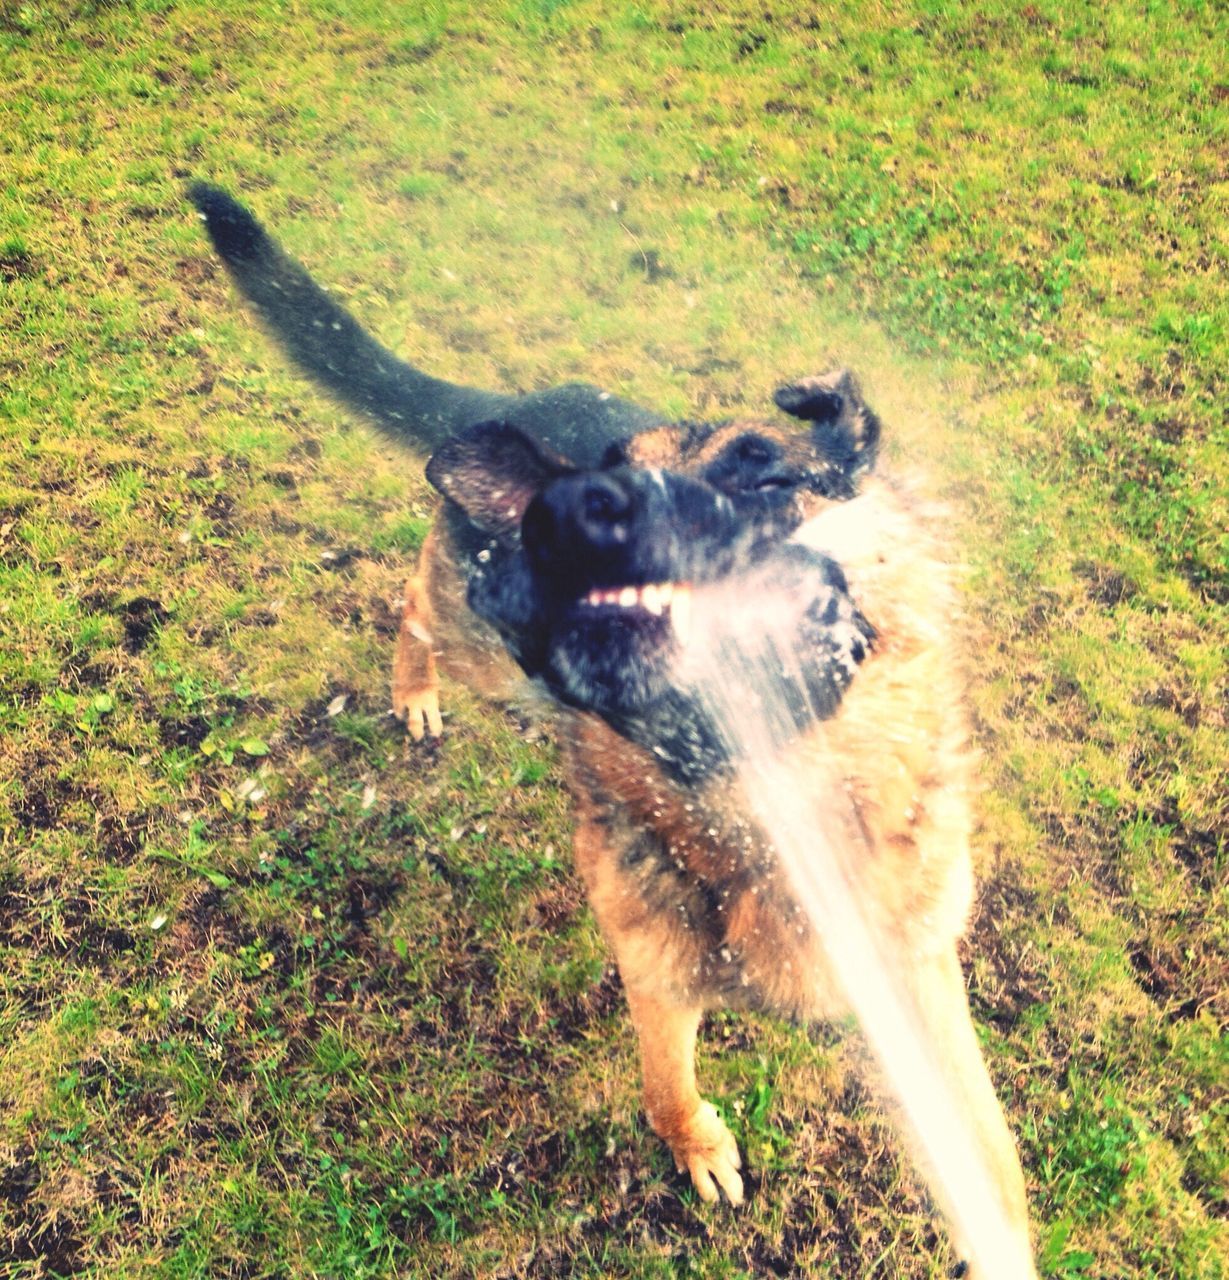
697	1136
939	990
416	699
666	1020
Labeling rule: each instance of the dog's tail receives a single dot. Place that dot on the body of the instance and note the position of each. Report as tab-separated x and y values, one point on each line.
577	421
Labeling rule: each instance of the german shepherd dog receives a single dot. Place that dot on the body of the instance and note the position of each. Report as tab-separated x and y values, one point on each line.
582	542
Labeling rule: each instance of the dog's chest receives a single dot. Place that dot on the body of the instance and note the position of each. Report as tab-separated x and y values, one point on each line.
678	875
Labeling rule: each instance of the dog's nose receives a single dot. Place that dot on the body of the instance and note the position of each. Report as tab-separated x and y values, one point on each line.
601	510
590	513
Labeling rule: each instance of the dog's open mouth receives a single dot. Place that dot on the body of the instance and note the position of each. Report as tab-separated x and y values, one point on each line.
670	600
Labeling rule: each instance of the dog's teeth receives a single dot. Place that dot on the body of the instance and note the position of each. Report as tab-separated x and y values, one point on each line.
680	613
654	597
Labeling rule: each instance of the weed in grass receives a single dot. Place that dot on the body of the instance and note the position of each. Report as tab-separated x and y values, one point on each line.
1087	1151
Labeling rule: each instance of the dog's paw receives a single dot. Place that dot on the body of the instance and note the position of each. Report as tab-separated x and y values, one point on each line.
419	711
709	1154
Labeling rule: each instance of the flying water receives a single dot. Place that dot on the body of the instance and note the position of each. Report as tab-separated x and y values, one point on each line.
748	674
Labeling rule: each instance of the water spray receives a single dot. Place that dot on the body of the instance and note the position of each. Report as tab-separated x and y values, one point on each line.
747	673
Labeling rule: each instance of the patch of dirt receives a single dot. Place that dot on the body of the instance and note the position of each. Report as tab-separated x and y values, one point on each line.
1214	590
1045	607
648	263
750	42
1202	851
36	915
17	265
1215	1205
862	1164
120	836
19	1180
113	1194
45	797
140	618
194	271
283	524
558	1024
209	1132
1105	586
260	617
1173	430
738	1035
556	906
366	896
145	1109
1003	984
1166	383
1199	852
190	731
209	920
52	1244
35	1234
1087	839
651	1215
1160	970
785	107
306	447
1171	699
42	803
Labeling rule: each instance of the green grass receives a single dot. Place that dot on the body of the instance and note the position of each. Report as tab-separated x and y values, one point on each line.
280	996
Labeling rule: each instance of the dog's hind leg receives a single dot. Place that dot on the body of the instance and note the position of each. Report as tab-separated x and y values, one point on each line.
939	990
701	1144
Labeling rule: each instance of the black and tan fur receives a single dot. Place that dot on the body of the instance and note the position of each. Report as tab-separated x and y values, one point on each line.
434	619
673	866
682	881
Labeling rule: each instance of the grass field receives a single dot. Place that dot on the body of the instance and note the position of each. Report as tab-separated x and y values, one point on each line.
281	996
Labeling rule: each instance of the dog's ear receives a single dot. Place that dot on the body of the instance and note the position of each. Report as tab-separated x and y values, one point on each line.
492	472
846	428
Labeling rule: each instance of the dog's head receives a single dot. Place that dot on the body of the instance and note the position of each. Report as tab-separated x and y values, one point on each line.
773	460
598	580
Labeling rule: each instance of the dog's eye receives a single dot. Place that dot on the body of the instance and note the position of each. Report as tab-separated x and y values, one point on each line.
749	464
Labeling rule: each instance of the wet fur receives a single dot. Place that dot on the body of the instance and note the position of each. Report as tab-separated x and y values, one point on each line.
681	882
436	622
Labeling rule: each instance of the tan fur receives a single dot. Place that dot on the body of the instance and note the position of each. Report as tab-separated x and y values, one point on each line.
684	885
436	624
